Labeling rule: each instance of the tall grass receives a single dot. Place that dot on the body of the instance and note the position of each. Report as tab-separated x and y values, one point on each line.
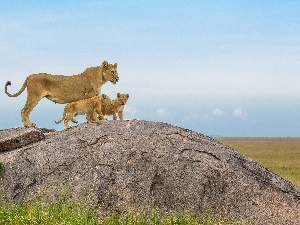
67	212
280	155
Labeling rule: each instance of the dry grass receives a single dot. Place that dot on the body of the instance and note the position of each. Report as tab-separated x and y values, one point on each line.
280	155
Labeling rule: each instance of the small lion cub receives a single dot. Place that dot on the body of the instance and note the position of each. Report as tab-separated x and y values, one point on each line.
117	106
85	106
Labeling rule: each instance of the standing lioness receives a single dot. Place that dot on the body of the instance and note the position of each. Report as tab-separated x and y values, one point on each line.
64	89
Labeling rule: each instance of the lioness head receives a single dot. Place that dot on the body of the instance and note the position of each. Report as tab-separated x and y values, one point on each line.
110	72
122	98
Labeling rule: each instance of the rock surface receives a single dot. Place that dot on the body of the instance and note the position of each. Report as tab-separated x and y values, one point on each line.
16	138
140	165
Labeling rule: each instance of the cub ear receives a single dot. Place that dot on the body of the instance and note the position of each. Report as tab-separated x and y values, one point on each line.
127	95
118	94
115	66
103	96
105	64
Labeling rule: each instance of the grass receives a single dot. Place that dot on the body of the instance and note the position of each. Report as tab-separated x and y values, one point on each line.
1	168
29	213
280	155
67	212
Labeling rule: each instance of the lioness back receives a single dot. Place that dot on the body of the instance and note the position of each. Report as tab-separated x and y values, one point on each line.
62	89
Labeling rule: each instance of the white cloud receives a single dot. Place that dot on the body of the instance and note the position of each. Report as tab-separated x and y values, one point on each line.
239	113
217	112
162	112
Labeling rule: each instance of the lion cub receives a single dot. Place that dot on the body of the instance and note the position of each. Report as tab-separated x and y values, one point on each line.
85	106
117	106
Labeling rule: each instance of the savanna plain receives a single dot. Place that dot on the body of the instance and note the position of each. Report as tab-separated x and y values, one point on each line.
279	155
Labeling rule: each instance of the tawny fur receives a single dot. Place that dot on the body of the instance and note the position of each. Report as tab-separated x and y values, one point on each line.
117	106
90	107
64	89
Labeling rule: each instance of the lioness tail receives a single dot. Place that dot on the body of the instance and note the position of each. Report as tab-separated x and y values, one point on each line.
8	83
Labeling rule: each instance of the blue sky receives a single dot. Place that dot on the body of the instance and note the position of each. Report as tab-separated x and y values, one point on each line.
228	68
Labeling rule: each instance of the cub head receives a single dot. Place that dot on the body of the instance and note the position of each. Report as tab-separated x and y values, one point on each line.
109	72
105	101
122	98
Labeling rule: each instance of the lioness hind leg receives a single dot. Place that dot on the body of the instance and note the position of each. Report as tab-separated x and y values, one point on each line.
32	101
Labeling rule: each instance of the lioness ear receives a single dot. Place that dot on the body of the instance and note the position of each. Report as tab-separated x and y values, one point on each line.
115	66
118	94
105	64
127	95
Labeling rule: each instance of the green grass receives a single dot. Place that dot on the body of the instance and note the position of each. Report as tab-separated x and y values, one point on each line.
29	213
1	168
280	155
67	212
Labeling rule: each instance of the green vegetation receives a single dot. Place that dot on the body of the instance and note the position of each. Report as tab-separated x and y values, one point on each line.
29	213
66	212
280	155
1	168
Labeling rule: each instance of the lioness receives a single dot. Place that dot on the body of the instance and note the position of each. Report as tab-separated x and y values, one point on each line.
64	89
85	106
116	107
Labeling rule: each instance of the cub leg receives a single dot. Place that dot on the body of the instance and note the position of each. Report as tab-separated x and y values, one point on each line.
114	115
73	120
120	114
99	112
67	119
91	116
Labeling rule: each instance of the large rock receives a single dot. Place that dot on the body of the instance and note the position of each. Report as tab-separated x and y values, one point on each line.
16	138
139	165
